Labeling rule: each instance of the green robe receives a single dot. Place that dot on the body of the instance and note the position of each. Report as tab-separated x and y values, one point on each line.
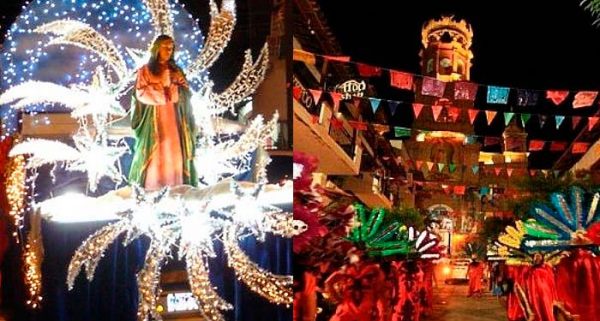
144	126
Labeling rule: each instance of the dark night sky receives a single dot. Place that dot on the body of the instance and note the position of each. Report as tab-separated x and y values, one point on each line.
547	44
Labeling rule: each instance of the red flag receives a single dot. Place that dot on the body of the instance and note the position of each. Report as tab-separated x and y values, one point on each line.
497	170
368	70
459	189
336	123
592	122
336	98
337	58
557	96
436	110
465	90
535	145
358	125
316	94
557	146
491	140
579	148
417	109
419	164
401	80
584	99
509	171
575	121
532	172
472	114
453	112
490	114
297	91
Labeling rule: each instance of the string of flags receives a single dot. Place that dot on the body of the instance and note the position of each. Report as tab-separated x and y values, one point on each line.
454	113
462	90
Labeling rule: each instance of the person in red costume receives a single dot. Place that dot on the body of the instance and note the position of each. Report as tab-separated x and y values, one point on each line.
516	275
357	289
578	284
410	280
475	274
541	289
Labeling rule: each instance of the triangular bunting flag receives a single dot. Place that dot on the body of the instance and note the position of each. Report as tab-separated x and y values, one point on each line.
316	94
417	109
525	119
336	98
490	114
453	113
584	99
575	121
472	114
375	104
475	169
497	170
592	122
557	96
545	172
441	166
451	168
418	164
532	172
497	95
436	110
392	105
558	119
507	118
509	171
429	166
556	173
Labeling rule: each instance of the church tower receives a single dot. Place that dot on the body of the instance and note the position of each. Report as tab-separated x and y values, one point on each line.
446	53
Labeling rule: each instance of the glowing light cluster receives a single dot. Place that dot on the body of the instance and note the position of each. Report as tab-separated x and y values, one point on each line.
181	219
33	257
16	191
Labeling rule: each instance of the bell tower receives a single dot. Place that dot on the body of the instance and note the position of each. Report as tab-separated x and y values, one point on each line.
446	53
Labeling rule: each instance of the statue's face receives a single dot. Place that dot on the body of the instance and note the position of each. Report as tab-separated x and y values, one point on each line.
165	51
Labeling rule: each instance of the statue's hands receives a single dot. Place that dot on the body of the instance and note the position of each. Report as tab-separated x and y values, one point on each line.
178	79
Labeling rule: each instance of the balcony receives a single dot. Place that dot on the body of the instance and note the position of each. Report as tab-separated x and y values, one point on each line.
370	189
336	146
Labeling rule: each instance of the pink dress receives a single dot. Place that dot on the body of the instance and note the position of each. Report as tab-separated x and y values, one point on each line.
165	166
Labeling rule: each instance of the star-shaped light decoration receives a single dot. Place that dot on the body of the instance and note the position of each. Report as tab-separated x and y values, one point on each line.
98	159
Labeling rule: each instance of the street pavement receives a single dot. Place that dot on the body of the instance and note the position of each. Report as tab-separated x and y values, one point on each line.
452	304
